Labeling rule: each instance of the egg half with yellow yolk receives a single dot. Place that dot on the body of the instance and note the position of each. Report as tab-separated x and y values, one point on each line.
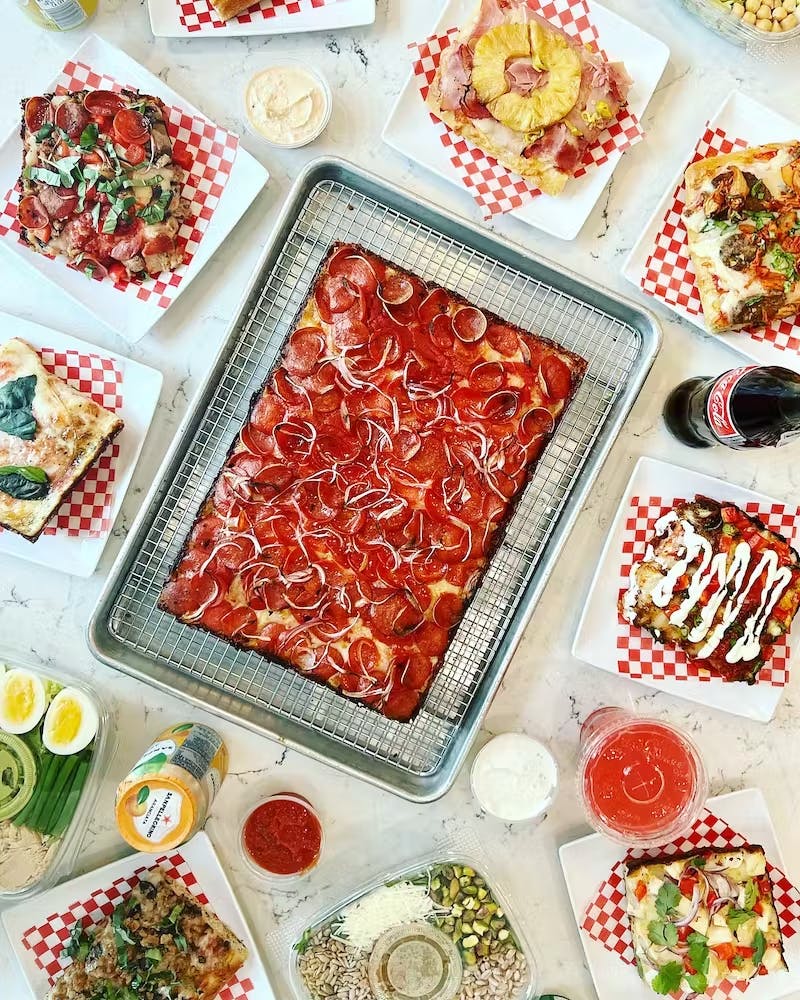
22	700
71	722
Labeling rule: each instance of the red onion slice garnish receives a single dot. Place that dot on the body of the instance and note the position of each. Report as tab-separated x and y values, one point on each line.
694	906
469	324
199	612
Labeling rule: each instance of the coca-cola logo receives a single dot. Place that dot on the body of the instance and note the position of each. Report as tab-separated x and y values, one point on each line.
718	404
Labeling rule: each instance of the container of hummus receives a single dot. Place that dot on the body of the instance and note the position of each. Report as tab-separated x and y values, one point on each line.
168	794
288	104
31	861
514	778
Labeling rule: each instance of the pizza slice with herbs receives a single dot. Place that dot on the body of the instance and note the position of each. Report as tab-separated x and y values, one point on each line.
742	217
701	920
100	184
50	434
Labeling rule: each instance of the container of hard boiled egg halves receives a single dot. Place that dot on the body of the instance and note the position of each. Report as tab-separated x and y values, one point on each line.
56	739
768	29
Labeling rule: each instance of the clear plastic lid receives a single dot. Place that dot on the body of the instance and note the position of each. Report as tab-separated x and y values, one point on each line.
468	936
776	45
61	858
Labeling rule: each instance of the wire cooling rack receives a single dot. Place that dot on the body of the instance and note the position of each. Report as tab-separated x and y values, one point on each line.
334	210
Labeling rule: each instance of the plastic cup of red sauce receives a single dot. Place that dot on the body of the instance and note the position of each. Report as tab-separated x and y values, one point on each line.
641	781
282	837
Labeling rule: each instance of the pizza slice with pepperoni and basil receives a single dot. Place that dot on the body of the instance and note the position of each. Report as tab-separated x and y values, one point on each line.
380	462
100	184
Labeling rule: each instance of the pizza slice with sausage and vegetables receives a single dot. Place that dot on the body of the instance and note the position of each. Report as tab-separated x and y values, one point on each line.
742	217
50	434
526	92
100	184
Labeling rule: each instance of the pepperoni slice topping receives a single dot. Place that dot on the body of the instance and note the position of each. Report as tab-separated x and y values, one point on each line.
399	615
103	102
363	657
38	110
488	376
503	339
357	270
31	213
131	127
557	377
334	295
306	347
534	423
71	117
58	202
469	324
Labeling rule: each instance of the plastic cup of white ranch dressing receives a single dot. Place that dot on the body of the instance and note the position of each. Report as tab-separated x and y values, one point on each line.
288	104
514	778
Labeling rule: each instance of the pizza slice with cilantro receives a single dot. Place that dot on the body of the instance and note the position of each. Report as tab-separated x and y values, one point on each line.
100	184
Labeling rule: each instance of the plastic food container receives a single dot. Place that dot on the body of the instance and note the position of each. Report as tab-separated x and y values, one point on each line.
62	859
293	123
266	873
770	46
514	778
641	781
420	956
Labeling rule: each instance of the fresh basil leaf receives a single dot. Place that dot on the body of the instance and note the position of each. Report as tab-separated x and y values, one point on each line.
16	401
65	166
736	918
153	954
668	979
24	482
89	135
156	211
43	175
697	982
96	214
663	933
45	131
669	895
750	894
760	945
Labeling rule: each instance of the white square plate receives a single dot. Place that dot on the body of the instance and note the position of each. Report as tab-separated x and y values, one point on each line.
587	862
409	128
165	20
596	637
201	858
141	387
127	315
741	118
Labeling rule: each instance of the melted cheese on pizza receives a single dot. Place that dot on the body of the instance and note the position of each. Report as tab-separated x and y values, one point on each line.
49	427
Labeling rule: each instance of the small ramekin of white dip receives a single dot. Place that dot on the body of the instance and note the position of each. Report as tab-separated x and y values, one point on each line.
288	104
514	778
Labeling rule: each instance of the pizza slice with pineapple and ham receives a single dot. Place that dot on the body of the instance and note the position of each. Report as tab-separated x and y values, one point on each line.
526	92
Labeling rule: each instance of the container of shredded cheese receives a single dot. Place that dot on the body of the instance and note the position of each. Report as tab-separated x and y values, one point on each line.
434	929
288	104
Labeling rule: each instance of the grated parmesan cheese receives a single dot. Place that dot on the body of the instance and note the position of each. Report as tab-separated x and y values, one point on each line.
388	906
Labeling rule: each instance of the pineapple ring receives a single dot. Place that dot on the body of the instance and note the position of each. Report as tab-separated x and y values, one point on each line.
547	51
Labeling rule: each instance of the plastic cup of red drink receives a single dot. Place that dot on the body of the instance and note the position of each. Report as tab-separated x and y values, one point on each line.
641	781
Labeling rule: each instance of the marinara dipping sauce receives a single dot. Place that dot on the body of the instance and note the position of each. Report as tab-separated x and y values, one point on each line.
282	836
641	781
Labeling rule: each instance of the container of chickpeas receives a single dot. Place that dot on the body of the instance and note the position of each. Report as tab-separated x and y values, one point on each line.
767	28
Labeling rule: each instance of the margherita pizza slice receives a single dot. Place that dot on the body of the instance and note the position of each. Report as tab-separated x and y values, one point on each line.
100	185
50	434
523	90
359	506
742	217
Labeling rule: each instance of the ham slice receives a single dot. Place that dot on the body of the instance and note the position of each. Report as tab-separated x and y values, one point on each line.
456	68
492	13
559	147
523	76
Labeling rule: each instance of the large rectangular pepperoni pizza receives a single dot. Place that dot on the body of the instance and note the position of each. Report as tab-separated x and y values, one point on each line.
99	183
359	505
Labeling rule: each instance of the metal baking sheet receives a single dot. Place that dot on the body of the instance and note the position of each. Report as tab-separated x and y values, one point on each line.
333	200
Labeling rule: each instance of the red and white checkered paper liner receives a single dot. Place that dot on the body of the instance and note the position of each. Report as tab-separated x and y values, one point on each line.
606	918
86	510
212	150
639	655
669	272
46	941
198	14
496	189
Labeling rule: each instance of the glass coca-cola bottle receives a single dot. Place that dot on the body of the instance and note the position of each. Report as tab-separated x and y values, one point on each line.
750	407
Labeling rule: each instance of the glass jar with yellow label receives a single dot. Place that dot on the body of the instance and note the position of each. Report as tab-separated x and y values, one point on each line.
168	794
59	15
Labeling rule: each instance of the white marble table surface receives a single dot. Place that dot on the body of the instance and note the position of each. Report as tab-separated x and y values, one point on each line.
546	692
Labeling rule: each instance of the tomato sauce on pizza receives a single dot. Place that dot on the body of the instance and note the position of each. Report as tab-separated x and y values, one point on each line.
359	505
